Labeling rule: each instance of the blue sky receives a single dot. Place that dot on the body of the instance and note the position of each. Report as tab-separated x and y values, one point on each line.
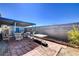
41	14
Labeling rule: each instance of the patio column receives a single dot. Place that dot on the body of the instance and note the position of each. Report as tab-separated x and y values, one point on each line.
14	27
33	29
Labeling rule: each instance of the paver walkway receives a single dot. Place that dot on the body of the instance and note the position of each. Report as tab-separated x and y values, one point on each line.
51	50
16	48
27	47
69	52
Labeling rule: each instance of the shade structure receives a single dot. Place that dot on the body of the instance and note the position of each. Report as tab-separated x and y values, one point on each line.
7	21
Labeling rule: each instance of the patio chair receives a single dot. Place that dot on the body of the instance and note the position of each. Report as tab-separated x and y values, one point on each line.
18	36
26	34
5	36
5	32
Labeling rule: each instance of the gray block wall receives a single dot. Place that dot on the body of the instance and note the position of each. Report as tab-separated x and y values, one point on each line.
59	32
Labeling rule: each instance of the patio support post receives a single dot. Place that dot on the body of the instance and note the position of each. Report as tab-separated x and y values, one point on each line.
35	28
14	27
32	29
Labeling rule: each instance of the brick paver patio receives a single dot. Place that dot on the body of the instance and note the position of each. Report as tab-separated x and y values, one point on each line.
16	48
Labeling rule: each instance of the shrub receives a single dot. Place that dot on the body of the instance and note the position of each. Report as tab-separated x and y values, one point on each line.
73	35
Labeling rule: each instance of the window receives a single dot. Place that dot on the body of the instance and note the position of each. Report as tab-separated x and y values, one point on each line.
17	30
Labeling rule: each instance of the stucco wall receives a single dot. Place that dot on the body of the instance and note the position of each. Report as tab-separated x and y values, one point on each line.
56	31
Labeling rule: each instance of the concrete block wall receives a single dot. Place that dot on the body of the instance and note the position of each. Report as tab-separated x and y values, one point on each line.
60	32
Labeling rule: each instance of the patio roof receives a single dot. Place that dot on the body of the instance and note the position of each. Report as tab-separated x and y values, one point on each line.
7	21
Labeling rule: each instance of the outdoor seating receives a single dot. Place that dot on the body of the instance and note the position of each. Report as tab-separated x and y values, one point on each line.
5	32
13	29
5	36
18	36
26	34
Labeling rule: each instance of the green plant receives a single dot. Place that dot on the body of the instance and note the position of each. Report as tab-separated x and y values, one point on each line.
73	35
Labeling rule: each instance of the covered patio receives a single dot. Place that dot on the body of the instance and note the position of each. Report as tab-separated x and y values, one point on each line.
13	28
